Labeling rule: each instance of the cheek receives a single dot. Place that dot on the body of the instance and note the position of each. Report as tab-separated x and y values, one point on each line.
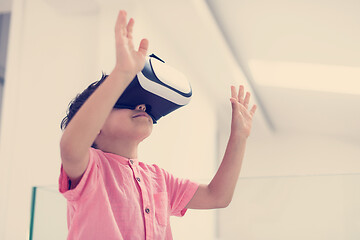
115	124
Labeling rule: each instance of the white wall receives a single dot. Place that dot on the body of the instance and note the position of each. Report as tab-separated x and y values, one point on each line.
308	207
47	61
54	53
294	185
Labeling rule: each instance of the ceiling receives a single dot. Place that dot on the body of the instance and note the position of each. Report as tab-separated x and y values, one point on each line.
301	58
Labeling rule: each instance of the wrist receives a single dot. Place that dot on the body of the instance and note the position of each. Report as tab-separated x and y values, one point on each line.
118	73
238	137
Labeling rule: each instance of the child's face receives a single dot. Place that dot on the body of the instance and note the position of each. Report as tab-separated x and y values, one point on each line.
133	124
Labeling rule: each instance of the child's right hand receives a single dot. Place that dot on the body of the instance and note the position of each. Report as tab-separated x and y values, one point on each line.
128	61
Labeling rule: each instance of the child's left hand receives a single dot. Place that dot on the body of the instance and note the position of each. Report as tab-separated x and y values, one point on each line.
214	194
241	117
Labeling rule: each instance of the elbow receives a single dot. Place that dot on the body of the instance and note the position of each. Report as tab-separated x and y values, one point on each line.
226	203
223	203
65	145
65	148
68	150
220	199
72	147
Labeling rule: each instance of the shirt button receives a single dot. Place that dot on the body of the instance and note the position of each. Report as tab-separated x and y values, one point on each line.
138	179
147	210
131	161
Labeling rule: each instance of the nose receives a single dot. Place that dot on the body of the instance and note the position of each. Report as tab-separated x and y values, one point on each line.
141	107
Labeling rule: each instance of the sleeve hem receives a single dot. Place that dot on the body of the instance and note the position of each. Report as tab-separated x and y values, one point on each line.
187	198
74	194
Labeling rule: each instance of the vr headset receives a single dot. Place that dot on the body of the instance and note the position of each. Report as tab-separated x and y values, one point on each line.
160	87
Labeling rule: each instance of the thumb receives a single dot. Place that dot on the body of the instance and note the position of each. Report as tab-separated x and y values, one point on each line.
234	104
144	45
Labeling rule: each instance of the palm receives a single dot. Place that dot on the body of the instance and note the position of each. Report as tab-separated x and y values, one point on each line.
128	60
241	117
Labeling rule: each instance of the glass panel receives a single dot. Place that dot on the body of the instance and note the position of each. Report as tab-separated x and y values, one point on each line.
48	215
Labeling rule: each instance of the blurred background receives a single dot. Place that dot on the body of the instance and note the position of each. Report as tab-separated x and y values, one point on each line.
300	60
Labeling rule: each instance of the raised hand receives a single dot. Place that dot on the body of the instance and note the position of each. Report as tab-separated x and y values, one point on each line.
128	60
241	117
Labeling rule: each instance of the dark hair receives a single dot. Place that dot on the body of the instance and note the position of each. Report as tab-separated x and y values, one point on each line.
78	101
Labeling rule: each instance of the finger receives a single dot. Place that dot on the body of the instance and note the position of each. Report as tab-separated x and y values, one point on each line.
241	94
246	100
240	107
120	26
129	30
233	93
253	109
235	104
143	47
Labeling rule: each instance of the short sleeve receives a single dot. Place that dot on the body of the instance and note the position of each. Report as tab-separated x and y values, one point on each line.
180	192
88	182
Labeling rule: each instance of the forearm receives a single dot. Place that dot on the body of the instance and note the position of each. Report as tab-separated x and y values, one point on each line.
218	193
223	184
83	128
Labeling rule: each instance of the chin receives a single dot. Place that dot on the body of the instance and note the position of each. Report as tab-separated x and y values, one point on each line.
143	132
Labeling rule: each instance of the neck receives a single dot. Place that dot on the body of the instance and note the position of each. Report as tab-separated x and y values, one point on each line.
125	148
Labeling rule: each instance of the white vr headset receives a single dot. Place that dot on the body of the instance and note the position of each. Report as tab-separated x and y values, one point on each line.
160	87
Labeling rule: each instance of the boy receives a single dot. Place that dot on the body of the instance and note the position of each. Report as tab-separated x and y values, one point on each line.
110	194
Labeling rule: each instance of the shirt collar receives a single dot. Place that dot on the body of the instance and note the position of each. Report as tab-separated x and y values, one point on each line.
121	159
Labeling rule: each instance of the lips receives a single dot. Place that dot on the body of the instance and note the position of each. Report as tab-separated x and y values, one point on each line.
141	115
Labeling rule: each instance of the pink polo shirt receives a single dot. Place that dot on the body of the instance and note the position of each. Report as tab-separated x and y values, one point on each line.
120	198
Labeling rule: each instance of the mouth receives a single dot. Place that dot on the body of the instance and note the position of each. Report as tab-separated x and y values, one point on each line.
141	115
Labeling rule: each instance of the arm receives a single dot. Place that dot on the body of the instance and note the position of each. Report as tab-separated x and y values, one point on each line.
88	121
218	193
